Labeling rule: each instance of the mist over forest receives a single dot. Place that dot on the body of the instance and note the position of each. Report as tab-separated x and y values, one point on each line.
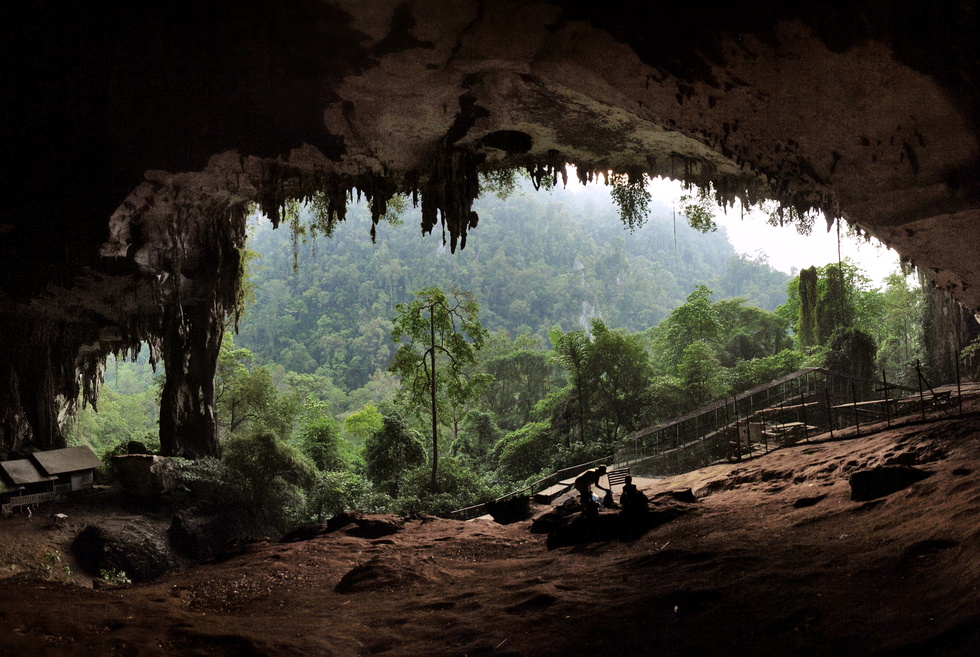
535	261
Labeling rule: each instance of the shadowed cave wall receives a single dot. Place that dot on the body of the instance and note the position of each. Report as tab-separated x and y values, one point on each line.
136	136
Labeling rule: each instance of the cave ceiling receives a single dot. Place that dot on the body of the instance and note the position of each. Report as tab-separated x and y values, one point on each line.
137	135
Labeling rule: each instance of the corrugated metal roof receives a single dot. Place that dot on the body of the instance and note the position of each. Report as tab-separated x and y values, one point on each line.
23	471
69	459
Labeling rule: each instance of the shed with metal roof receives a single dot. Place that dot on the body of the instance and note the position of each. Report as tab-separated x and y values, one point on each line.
74	465
23	472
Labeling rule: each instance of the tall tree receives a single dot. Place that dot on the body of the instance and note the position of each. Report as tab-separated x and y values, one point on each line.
609	376
900	337
621	371
572	354
443	333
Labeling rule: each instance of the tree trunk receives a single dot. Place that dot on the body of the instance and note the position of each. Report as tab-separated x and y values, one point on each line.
433	485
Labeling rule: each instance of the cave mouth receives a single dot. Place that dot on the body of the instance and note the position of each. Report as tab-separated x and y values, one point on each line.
140	143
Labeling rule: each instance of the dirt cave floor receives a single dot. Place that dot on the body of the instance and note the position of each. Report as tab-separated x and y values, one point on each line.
774	558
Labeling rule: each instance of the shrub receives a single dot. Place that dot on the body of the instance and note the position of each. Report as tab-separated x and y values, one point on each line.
271	475
458	487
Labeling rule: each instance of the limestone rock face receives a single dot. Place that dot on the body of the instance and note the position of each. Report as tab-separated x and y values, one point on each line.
135	146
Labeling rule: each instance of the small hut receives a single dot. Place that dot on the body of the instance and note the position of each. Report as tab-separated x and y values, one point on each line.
30	484
72	466
45	475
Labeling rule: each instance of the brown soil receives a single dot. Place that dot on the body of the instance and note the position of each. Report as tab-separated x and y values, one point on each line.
774	559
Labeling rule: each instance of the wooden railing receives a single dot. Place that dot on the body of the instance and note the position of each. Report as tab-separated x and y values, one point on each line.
27	500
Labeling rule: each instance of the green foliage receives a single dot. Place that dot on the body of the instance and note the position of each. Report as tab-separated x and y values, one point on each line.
899	334
270	474
620	368
571	353
481	433
668	398
537	263
780	215
120	417
609	375
629	193
364	422
106	475
753	279
970	356
701	374
823	300
708	350
56	568
248	400
321	442
332	493
696	320
853	352
503	183
205	479
443	336
809	296
750	373
523	373
699	209
390	452
114	577
748	332
524	452
458	487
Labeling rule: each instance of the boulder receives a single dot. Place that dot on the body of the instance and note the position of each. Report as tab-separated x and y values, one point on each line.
136	447
140	550
511	510
144	475
554	517
352	523
207	537
366	526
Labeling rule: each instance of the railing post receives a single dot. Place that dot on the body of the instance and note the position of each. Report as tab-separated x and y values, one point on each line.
830	411
959	391
884	382
738	427
806	430
854	399
922	401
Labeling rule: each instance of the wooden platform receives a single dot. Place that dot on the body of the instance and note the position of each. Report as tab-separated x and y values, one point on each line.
548	495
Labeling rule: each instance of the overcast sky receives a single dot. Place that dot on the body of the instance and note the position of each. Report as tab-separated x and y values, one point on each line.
784	247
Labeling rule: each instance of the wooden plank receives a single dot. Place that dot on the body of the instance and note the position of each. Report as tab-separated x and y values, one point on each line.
864	403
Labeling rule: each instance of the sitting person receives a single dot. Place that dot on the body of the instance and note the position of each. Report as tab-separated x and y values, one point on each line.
631	499
585	481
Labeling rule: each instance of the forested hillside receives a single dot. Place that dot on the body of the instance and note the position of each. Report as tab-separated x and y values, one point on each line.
558	333
535	261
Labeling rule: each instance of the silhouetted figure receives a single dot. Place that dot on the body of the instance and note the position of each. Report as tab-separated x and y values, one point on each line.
632	500
585	481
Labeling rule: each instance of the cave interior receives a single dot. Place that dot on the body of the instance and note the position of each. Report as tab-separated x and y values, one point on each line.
139	134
